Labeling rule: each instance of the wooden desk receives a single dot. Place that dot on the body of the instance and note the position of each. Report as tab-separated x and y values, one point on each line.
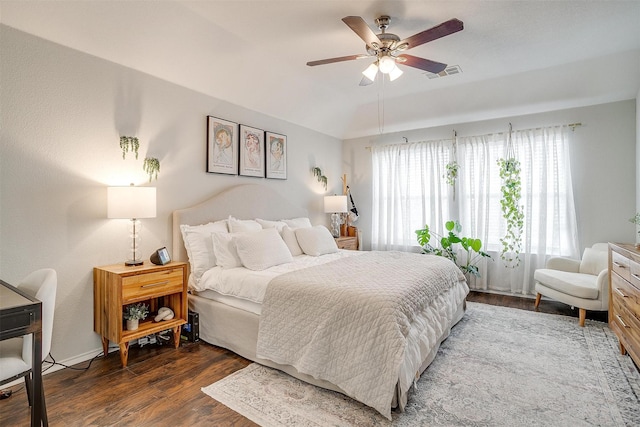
21	314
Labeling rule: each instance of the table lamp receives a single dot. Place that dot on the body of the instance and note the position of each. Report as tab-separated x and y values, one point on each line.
132	203
335	205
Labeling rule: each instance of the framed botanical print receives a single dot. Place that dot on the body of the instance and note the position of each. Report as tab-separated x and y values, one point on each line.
252	154
222	146
276	151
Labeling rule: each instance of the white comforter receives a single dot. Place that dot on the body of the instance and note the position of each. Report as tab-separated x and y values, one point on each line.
348	322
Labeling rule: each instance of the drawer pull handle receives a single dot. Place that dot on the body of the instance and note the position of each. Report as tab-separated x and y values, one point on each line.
621	321
150	285
620	292
636	276
617	264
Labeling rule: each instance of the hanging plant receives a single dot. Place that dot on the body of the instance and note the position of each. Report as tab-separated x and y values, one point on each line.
317	172
452	168
151	166
512	211
129	143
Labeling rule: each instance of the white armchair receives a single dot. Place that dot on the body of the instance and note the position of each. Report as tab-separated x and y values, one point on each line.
579	283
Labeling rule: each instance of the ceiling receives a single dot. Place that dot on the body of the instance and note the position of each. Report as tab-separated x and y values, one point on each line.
517	57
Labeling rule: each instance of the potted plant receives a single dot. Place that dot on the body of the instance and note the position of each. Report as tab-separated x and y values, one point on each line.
133	313
449	245
636	220
512	211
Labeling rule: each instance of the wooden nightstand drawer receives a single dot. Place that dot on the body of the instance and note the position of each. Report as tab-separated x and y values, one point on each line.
349	243
143	286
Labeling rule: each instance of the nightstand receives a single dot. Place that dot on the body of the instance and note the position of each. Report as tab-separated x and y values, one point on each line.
347	242
117	285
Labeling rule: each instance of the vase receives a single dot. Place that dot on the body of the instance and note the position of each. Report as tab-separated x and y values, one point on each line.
132	324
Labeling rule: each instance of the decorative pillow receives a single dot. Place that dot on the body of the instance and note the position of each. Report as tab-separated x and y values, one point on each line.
240	225
278	225
594	261
297	222
224	247
197	242
316	241
289	237
262	250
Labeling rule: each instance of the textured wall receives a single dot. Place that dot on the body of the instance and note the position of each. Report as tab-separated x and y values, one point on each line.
62	113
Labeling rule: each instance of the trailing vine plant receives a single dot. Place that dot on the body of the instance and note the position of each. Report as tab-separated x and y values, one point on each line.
151	166
317	172
129	143
512	211
452	168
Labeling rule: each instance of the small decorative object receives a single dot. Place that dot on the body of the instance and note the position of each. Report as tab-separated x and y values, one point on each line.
252	156
335	205
452	167
160	257
448	247
636	220
512	211
317	172
151	166
133	313
164	313
222	146
129	143
276	156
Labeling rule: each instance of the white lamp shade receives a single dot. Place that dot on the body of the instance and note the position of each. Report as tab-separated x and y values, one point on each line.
335	204
371	72
395	73
131	202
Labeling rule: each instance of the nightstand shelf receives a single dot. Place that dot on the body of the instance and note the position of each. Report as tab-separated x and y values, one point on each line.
116	286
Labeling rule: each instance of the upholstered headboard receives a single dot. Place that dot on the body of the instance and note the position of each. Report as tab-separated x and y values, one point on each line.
247	201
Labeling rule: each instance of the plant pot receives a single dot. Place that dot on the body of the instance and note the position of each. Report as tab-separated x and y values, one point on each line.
132	324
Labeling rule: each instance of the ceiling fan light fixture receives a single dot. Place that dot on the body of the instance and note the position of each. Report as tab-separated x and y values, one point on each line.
387	64
395	73
371	72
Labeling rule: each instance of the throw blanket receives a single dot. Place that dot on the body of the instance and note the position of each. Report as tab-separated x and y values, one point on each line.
347	321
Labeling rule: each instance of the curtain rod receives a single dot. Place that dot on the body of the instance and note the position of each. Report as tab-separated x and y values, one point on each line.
573	127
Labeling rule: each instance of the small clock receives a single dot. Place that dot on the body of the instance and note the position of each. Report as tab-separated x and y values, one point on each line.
160	257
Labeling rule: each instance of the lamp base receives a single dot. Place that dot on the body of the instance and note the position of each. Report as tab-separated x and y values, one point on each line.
133	262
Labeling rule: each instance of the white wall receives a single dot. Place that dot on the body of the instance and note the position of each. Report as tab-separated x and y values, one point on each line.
62	113
603	164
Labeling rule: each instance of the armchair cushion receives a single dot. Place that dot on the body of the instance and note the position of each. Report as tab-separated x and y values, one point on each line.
576	284
593	261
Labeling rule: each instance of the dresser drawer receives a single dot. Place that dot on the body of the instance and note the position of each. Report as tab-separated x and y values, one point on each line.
634	272
620	265
142	286
627	322
624	291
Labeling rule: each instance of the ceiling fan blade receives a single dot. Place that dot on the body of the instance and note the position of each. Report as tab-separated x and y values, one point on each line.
423	64
360	27
449	27
338	59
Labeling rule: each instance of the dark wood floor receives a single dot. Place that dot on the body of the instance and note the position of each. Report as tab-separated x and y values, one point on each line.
161	385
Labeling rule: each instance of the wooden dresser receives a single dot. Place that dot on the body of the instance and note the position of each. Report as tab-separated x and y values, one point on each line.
624	297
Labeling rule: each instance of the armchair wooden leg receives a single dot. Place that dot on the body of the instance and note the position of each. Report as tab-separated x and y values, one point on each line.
583	316
538	300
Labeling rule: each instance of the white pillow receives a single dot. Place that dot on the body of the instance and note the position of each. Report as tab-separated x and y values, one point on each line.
225	249
278	225
594	261
316	241
197	242
240	225
289	237
261	250
297	222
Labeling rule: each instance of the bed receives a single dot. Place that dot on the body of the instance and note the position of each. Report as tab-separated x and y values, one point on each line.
337	320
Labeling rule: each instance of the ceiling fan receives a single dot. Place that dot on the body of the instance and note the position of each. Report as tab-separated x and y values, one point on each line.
387	48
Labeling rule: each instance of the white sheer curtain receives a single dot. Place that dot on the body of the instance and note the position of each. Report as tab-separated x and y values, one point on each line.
409	191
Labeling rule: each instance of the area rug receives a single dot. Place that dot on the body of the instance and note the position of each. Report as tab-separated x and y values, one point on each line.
499	367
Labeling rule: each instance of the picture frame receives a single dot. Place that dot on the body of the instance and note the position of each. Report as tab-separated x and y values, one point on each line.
276	152
222	146
252	152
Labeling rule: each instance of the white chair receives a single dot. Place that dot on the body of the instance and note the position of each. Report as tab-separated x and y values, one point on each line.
15	353
579	283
